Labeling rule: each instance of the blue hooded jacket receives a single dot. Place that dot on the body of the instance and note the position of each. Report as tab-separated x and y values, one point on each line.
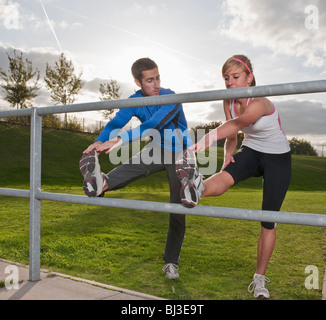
160	122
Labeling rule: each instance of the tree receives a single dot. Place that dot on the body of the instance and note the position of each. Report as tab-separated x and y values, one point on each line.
19	92
109	91
302	147
62	81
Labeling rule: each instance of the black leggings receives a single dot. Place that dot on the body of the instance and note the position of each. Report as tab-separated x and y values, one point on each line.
275	170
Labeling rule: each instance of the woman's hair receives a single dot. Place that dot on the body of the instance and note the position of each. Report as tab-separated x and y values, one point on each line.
141	65
239	60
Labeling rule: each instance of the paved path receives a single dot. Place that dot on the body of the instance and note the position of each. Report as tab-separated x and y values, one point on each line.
324	287
58	286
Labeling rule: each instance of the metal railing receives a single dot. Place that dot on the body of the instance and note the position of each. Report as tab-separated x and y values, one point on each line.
36	195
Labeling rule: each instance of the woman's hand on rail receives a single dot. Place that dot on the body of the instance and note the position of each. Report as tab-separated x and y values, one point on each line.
205	142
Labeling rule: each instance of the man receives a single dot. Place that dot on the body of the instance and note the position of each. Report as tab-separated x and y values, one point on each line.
167	126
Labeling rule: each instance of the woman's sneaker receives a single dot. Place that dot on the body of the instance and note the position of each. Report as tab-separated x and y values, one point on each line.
192	185
94	179
258	286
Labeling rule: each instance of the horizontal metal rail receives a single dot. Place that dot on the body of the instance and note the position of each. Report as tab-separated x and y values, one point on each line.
308	219
14	192
35	195
214	95
16	113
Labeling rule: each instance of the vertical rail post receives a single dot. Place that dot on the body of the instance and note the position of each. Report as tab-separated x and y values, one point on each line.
35	204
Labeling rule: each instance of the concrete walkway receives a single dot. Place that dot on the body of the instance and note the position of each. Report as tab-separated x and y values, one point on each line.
58	286
324	287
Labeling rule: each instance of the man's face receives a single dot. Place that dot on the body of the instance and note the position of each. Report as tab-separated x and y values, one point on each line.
150	83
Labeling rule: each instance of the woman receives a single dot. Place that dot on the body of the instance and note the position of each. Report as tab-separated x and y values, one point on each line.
265	152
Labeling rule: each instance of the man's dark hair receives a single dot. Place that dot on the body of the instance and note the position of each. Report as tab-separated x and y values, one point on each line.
141	65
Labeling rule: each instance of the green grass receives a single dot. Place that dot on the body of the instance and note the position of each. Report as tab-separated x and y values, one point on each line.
124	247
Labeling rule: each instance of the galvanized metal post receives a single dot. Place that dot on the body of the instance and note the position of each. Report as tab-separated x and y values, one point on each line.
35	204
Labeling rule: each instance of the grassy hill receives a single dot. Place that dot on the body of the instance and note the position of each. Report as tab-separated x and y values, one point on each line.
61	151
125	247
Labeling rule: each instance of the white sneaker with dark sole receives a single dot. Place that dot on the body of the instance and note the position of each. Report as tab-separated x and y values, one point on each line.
94	180
257	286
192	185
171	271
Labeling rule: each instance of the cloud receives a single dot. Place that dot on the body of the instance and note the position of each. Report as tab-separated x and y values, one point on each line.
286	27
298	117
302	117
10	16
138	8
40	57
93	86
15	16
214	112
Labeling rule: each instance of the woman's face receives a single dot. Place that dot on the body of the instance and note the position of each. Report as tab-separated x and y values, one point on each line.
236	77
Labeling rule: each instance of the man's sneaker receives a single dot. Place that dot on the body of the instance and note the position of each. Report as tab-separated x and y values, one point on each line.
258	286
192	185
171	271
94	180
192	192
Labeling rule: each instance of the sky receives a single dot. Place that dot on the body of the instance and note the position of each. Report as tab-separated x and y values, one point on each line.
189	39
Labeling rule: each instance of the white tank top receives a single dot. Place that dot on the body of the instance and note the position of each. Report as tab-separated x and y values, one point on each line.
266	134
